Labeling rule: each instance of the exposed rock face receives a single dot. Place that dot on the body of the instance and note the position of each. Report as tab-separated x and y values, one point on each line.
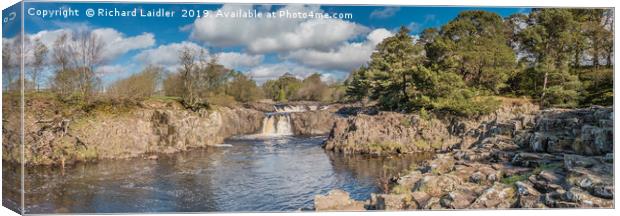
313	122
142	130
389	132
579	131
164	130
337	200
517	158
514	126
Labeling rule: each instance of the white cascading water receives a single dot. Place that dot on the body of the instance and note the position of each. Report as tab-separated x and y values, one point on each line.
278	123
290	109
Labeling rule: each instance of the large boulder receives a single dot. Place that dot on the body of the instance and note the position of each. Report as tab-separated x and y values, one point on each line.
586	131
528	196
437	186
500	196
460	198
392	202
337	200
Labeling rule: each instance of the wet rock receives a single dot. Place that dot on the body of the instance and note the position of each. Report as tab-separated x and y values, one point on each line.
337	200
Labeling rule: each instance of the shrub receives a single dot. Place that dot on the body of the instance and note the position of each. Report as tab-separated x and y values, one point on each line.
511	180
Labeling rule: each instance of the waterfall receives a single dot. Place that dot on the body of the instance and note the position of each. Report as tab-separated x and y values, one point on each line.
289	109
277	124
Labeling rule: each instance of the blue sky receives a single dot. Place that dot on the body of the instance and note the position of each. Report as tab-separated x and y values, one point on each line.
261	48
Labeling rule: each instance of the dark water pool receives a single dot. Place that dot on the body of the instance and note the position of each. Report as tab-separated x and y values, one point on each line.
246	174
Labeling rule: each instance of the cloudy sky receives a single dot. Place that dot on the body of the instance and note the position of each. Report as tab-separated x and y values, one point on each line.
261	48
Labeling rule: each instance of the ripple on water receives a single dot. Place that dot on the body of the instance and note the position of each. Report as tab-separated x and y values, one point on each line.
243	174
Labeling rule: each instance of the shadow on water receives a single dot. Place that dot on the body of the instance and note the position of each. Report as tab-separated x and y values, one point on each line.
246	174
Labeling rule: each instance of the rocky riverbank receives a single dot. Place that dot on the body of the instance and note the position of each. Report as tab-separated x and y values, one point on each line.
149	128
519	157
390	132
154	127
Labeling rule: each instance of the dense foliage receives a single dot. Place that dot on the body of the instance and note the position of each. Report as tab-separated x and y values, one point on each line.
560	57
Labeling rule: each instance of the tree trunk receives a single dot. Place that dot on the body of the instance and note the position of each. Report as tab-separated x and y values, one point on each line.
404	87
544	90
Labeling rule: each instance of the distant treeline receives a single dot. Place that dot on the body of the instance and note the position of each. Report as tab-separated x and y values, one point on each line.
199	81
558	57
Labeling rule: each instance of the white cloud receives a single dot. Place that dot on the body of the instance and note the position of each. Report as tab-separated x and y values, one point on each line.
115	42
346	57
235	59
376	36
279	34
165	55
384	13
168	56
266	72
110	69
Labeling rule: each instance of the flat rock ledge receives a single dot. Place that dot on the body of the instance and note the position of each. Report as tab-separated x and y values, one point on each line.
563	160
337	200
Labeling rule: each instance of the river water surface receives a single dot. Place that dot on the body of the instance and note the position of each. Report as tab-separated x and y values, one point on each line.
246	174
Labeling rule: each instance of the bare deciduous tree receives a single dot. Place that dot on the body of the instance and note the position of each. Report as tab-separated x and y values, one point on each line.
187	58
62	52
38	62
76	56
7	65
88	49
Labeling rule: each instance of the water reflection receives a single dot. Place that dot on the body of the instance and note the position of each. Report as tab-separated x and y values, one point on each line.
273	174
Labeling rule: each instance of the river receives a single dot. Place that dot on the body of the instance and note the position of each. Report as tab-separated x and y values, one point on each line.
247	174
